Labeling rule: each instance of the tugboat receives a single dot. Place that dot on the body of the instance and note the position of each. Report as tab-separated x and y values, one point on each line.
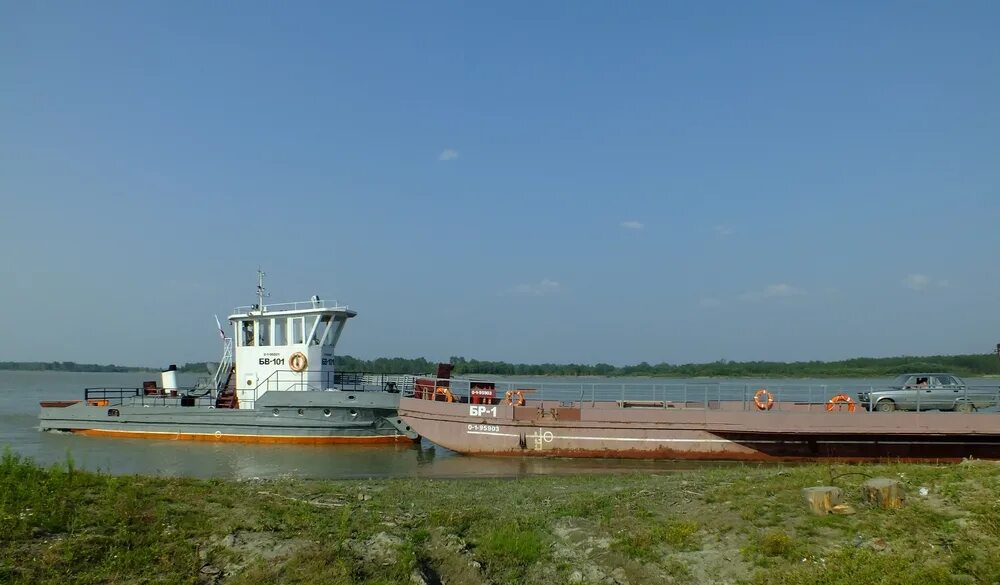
276	383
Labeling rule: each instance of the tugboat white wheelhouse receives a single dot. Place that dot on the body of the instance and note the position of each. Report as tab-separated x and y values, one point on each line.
276	384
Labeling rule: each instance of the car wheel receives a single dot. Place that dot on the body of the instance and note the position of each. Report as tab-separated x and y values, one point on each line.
885	406
965	407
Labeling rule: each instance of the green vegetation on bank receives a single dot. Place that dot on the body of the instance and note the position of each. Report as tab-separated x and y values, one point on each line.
964	365
735	524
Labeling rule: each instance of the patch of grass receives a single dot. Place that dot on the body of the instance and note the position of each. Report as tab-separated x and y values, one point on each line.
681	534
648	540
315	565
678	570
457	520
855	567
772	545
509	547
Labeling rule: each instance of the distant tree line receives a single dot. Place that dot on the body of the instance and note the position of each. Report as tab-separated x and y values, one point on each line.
967	365
964	365
67	367
193	367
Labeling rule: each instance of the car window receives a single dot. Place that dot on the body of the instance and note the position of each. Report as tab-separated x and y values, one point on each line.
910	381
944	381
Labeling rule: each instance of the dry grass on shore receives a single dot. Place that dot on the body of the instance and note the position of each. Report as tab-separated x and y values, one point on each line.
722	525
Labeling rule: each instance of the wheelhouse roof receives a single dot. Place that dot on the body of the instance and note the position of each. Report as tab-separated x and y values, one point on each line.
311	307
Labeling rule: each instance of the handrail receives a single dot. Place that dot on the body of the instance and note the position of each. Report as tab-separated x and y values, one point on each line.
224	370
702	395
293	306
117	396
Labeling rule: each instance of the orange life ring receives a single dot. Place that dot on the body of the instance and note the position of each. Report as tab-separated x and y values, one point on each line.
508	398
759	399
448	396
298	361
838	399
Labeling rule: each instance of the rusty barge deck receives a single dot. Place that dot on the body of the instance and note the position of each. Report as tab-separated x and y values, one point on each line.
463	417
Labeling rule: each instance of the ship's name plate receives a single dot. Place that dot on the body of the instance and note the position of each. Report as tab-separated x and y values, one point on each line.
481	410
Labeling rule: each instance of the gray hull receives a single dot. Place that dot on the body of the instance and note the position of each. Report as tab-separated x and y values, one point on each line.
317	417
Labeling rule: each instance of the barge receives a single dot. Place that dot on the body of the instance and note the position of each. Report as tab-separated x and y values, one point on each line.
687	421
276	383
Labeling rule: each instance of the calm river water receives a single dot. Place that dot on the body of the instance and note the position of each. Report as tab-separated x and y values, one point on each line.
20	393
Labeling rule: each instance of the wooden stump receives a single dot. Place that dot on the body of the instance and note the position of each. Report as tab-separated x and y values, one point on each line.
821	500
884	492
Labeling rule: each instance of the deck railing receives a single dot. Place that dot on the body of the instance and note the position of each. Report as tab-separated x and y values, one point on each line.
295	306
281	380
117	396
707	395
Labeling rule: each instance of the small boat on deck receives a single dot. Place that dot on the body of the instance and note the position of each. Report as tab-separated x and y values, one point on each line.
276	383
681	421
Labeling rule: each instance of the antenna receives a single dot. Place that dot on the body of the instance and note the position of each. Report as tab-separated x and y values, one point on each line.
261	291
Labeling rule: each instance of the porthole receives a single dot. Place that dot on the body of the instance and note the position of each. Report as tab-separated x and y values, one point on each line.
326	412
275	412
350	397
301	412
354	412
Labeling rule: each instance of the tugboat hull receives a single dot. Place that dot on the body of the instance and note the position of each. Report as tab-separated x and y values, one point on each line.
306	417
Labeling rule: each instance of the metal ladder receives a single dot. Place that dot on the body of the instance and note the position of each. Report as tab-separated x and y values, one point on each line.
225	369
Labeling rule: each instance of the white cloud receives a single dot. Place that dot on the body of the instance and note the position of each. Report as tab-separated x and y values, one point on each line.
632	225
448	154
916	281
537	289
920	282
709	302
723	231
773	291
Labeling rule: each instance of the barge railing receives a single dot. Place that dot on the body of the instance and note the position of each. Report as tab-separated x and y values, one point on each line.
690	395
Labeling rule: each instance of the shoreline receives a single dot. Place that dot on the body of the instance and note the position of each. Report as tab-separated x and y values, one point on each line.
741	524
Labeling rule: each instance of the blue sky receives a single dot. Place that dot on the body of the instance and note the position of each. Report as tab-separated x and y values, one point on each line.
560	181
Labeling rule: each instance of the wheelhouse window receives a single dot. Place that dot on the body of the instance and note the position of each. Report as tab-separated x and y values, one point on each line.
323	330
264	332
246	333
296	325
281	331
311	331
333	331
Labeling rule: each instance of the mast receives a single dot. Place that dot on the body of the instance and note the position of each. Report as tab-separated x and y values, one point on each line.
261	291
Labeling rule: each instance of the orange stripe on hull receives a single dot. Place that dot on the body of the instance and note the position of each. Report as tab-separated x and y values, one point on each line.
223	438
